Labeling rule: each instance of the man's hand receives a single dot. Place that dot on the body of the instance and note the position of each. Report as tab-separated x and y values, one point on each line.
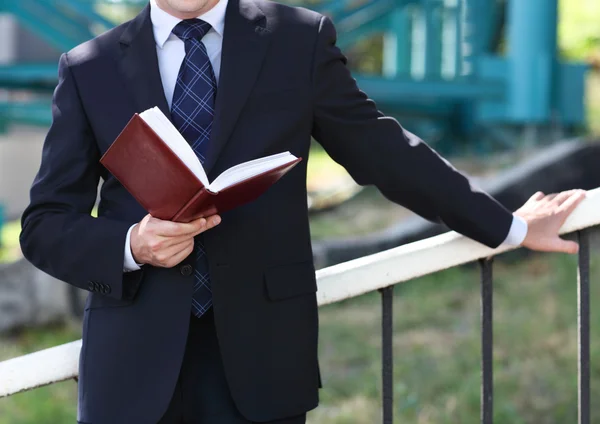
545	215
165	243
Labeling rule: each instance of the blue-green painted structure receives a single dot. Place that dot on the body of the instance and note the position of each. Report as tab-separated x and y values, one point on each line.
460	73
451	68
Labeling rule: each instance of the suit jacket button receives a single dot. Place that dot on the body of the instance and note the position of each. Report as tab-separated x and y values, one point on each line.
186	270
91	286
107	289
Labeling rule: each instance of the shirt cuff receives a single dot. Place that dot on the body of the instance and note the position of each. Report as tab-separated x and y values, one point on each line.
517	232
129	264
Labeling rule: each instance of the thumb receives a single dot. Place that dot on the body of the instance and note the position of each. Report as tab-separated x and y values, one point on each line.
566	246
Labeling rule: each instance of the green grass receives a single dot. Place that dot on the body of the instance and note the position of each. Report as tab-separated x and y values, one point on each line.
436	342
322	170
9	241
593	103
437	353
365	213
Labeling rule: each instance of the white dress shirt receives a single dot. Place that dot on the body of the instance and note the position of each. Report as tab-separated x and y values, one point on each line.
171	52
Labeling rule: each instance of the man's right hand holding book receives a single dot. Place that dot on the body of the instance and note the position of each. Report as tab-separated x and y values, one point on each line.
165	243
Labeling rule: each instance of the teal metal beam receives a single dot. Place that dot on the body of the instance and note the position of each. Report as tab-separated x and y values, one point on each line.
40	17
339	10
85	9
390	90
116	2
532	49
74	25
30	113
41	75
371	11
470	42
397	43
331	8
455	20
433	38
419	108
350	38
495	16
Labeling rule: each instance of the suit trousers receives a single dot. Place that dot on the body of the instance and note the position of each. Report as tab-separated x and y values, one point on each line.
201	395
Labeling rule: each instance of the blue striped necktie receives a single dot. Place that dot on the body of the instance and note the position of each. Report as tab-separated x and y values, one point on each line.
192	113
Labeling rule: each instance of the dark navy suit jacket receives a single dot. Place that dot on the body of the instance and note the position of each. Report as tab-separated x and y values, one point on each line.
282	81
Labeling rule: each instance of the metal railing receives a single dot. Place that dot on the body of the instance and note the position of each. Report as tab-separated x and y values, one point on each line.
381	272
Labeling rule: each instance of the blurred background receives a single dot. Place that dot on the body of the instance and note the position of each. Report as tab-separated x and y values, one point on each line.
508	90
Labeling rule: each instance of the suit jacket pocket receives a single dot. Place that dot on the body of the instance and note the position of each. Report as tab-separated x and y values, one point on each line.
96	300
290	280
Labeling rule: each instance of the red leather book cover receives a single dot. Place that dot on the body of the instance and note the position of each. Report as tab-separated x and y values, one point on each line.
150	171
164	185
205	203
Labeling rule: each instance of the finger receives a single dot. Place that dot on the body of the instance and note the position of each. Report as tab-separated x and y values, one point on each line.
212	221
200	225
550	197
173	240
203	224
563	196
177	244
178	257
173	229
565	246
169	241
537	196
165	257
571	203
164	247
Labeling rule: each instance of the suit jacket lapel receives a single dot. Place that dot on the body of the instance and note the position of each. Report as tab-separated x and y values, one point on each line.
245	44
139	64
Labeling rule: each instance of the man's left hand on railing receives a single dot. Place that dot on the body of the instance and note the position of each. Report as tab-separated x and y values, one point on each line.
545	215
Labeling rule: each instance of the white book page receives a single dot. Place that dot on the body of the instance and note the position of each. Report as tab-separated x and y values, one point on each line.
249	169
163	127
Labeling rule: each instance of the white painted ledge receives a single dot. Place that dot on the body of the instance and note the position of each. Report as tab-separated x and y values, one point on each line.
38	369
336	283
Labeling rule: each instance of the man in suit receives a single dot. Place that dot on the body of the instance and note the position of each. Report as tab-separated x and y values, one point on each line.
216	322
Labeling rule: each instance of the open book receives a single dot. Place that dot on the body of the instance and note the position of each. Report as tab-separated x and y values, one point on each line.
160	169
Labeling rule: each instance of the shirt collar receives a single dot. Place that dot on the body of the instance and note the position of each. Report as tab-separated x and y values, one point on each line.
163	23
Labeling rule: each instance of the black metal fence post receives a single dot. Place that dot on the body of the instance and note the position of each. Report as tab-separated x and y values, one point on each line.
487	342
387	355
583	328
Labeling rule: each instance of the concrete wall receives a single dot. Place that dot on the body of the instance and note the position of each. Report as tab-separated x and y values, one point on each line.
20	155
29	297
19	45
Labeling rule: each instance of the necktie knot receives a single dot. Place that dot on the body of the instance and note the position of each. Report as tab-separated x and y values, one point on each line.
191	28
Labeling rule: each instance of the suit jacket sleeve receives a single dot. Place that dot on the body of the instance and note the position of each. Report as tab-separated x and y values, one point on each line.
376	150
59	235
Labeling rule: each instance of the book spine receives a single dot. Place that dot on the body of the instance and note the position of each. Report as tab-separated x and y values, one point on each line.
199	206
